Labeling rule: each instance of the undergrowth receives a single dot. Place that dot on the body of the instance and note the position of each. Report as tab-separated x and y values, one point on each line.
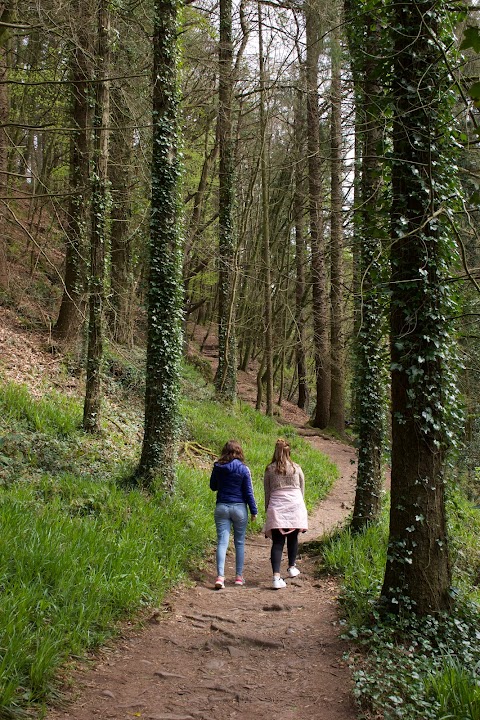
406	666
79	550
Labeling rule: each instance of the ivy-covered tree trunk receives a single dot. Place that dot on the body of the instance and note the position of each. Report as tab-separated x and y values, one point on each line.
226	375
164	342
320	306
92	404
418	573
371	233
72	308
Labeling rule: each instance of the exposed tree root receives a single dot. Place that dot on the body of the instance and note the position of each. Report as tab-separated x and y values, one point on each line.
248	639
193	451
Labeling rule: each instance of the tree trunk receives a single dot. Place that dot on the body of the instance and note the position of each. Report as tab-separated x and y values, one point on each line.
226	375
92	405
72	308
282	355
370	234
122	278
199	198
356	248
164	343
418	575
260	377
319	268
267	311
300	256
5	16
337	397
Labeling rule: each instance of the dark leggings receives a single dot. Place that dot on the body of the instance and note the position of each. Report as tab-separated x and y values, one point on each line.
278	543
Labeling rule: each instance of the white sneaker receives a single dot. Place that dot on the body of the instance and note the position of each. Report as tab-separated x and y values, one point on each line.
278	583
293	571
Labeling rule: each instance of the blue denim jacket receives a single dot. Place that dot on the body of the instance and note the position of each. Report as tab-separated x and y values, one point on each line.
233	484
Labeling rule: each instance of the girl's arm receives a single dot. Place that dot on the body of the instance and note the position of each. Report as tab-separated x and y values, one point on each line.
302	480
214	479
266	487
248	492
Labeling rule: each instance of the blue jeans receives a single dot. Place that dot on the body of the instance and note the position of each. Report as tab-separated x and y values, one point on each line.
226	515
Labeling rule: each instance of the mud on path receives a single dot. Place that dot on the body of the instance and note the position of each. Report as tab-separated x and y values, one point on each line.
246	652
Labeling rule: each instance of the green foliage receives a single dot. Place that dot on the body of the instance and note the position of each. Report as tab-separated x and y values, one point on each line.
202	366
471	39
409	667
395	676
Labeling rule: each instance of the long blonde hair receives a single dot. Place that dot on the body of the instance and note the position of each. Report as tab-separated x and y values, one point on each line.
281	457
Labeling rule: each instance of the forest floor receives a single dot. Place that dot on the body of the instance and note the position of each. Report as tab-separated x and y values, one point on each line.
249	652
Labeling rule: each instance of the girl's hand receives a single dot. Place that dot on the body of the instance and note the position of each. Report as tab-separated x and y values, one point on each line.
253	518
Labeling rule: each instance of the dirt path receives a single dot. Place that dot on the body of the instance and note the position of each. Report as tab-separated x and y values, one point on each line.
243	652
249	652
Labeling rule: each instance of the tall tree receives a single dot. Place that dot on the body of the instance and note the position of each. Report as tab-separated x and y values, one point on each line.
226	375
5	17
337	376
418	572
317	233
371	230
267	312
122	179
72	307
300	253
164	342
92	404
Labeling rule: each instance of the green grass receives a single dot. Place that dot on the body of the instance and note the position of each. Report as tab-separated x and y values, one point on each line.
360	559
464	531
75	557
456	690
79	551
55	414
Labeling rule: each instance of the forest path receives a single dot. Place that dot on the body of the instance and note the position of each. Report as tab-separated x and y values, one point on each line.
249	652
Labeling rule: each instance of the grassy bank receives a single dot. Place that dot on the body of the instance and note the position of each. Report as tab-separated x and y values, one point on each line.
79	550
408	667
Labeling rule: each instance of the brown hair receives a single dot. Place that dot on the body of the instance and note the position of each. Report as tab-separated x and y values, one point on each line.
281	456
231	450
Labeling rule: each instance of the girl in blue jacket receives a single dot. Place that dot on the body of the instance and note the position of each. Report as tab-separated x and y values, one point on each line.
232	482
